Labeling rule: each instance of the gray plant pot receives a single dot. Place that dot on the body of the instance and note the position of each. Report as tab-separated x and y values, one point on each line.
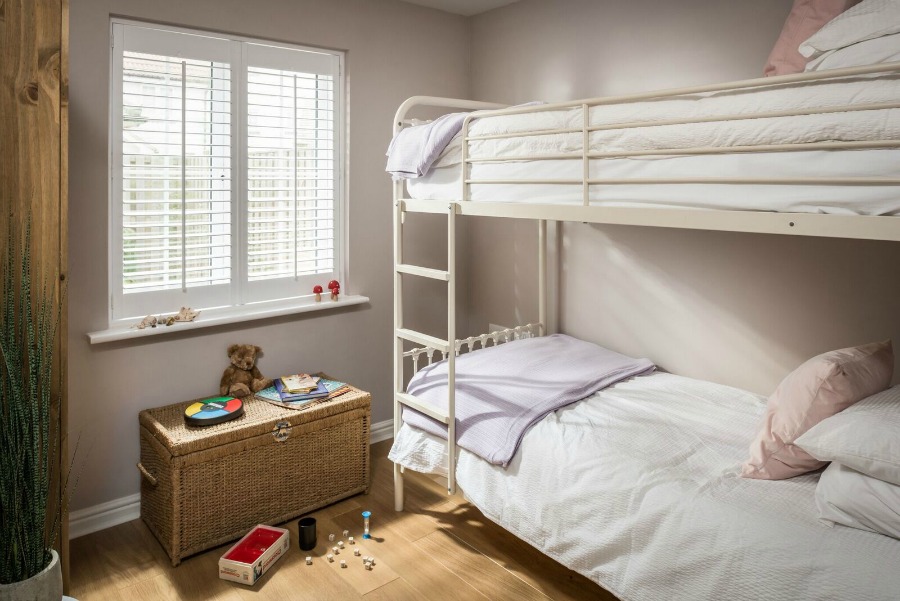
47	585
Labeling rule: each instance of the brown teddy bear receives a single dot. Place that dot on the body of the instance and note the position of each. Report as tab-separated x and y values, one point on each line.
242	377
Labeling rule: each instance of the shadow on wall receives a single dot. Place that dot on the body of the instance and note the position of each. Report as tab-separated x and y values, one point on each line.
740	309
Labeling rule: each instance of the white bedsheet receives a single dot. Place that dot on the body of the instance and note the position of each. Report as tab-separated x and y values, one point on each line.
637	488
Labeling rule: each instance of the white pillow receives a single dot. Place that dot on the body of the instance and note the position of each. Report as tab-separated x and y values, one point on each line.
865	436
845	496
885	49
867	20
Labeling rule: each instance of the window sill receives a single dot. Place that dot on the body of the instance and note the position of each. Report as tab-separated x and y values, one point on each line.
217	317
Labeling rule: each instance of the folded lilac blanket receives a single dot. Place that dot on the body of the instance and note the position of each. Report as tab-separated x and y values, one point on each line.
414	149
502	390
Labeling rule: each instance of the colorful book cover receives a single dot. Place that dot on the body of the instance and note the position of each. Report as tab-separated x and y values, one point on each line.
319	392
299	383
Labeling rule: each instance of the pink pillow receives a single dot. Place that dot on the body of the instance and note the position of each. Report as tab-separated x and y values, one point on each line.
819	388
806	18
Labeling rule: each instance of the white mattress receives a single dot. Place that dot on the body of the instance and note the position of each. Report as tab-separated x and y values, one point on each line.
637	488
443	182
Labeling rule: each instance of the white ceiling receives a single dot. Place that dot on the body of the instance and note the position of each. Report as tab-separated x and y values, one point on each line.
463	7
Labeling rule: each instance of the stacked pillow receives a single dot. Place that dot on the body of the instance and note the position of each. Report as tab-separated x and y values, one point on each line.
821	387
832	34
837	407
861	487
806	18
867	34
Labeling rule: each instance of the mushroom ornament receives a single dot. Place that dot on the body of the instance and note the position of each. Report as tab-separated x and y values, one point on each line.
317	290
335	288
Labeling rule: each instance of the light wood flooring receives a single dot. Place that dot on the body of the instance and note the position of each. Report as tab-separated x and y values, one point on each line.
440	548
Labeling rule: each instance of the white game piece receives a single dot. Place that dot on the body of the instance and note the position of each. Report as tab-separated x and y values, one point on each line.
341	544
330	558
372	560
309	561
331	537
351	541
346	533
343	564
335	550
368	566
356	552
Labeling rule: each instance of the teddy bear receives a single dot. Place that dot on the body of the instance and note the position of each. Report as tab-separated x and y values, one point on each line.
242	377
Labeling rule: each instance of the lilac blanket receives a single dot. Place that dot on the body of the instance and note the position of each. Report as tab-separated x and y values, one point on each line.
414	149
502	390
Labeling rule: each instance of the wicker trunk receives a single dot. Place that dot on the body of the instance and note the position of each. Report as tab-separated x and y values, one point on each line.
202	487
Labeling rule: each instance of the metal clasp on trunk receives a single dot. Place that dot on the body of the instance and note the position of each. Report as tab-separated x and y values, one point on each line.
281	431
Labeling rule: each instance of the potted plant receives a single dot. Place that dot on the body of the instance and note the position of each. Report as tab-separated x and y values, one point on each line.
29	567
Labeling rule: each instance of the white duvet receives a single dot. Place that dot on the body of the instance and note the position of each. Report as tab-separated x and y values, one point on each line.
878	124
637	488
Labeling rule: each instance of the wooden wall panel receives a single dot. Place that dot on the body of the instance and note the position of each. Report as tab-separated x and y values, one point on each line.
34	166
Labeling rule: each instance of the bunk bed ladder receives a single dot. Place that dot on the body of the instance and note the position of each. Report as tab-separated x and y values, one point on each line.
446	347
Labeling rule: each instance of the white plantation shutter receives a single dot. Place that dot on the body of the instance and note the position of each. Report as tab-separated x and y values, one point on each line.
225	171
291	171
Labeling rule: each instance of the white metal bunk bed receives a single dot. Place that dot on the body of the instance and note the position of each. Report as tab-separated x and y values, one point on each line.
804	224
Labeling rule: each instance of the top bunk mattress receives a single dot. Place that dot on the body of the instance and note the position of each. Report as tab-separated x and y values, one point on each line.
744	122
637	487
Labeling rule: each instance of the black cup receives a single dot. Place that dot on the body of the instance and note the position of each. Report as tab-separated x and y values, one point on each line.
307	533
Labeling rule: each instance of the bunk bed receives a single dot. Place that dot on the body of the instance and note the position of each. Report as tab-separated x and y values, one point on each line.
643	160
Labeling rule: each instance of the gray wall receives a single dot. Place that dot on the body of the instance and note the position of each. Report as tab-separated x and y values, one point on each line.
110	383
733	308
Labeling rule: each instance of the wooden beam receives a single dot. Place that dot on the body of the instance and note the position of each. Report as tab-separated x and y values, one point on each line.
34	175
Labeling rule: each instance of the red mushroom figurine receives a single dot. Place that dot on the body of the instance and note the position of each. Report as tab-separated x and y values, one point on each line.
317	290
335	288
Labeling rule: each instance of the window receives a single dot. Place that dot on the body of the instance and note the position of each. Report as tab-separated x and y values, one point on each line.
226	171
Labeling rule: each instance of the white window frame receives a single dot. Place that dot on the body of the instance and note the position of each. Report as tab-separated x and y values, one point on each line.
245	297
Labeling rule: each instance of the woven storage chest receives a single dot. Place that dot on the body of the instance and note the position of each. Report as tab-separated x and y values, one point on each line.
202	487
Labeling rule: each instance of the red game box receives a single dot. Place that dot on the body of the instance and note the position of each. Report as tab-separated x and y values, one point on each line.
253	555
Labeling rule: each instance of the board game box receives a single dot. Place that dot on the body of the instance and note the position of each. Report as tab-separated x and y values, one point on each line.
253	555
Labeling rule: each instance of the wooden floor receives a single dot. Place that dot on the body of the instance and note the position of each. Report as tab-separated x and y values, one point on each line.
439	548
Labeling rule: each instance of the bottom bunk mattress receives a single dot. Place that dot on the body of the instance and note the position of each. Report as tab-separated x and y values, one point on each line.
637	487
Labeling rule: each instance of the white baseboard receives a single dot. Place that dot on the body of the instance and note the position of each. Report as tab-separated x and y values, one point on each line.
118	511
105	515
381	431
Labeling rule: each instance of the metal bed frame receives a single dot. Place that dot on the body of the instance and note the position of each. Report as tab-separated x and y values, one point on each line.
801	224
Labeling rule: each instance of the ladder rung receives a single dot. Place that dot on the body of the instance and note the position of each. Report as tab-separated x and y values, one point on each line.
425	272
424	339
414	403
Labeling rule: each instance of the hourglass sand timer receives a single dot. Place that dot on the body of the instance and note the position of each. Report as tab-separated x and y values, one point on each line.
366	515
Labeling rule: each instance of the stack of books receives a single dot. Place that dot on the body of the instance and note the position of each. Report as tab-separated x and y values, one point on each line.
299	389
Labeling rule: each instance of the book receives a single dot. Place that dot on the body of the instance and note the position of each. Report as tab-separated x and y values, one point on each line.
299	383
334	387
286	395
